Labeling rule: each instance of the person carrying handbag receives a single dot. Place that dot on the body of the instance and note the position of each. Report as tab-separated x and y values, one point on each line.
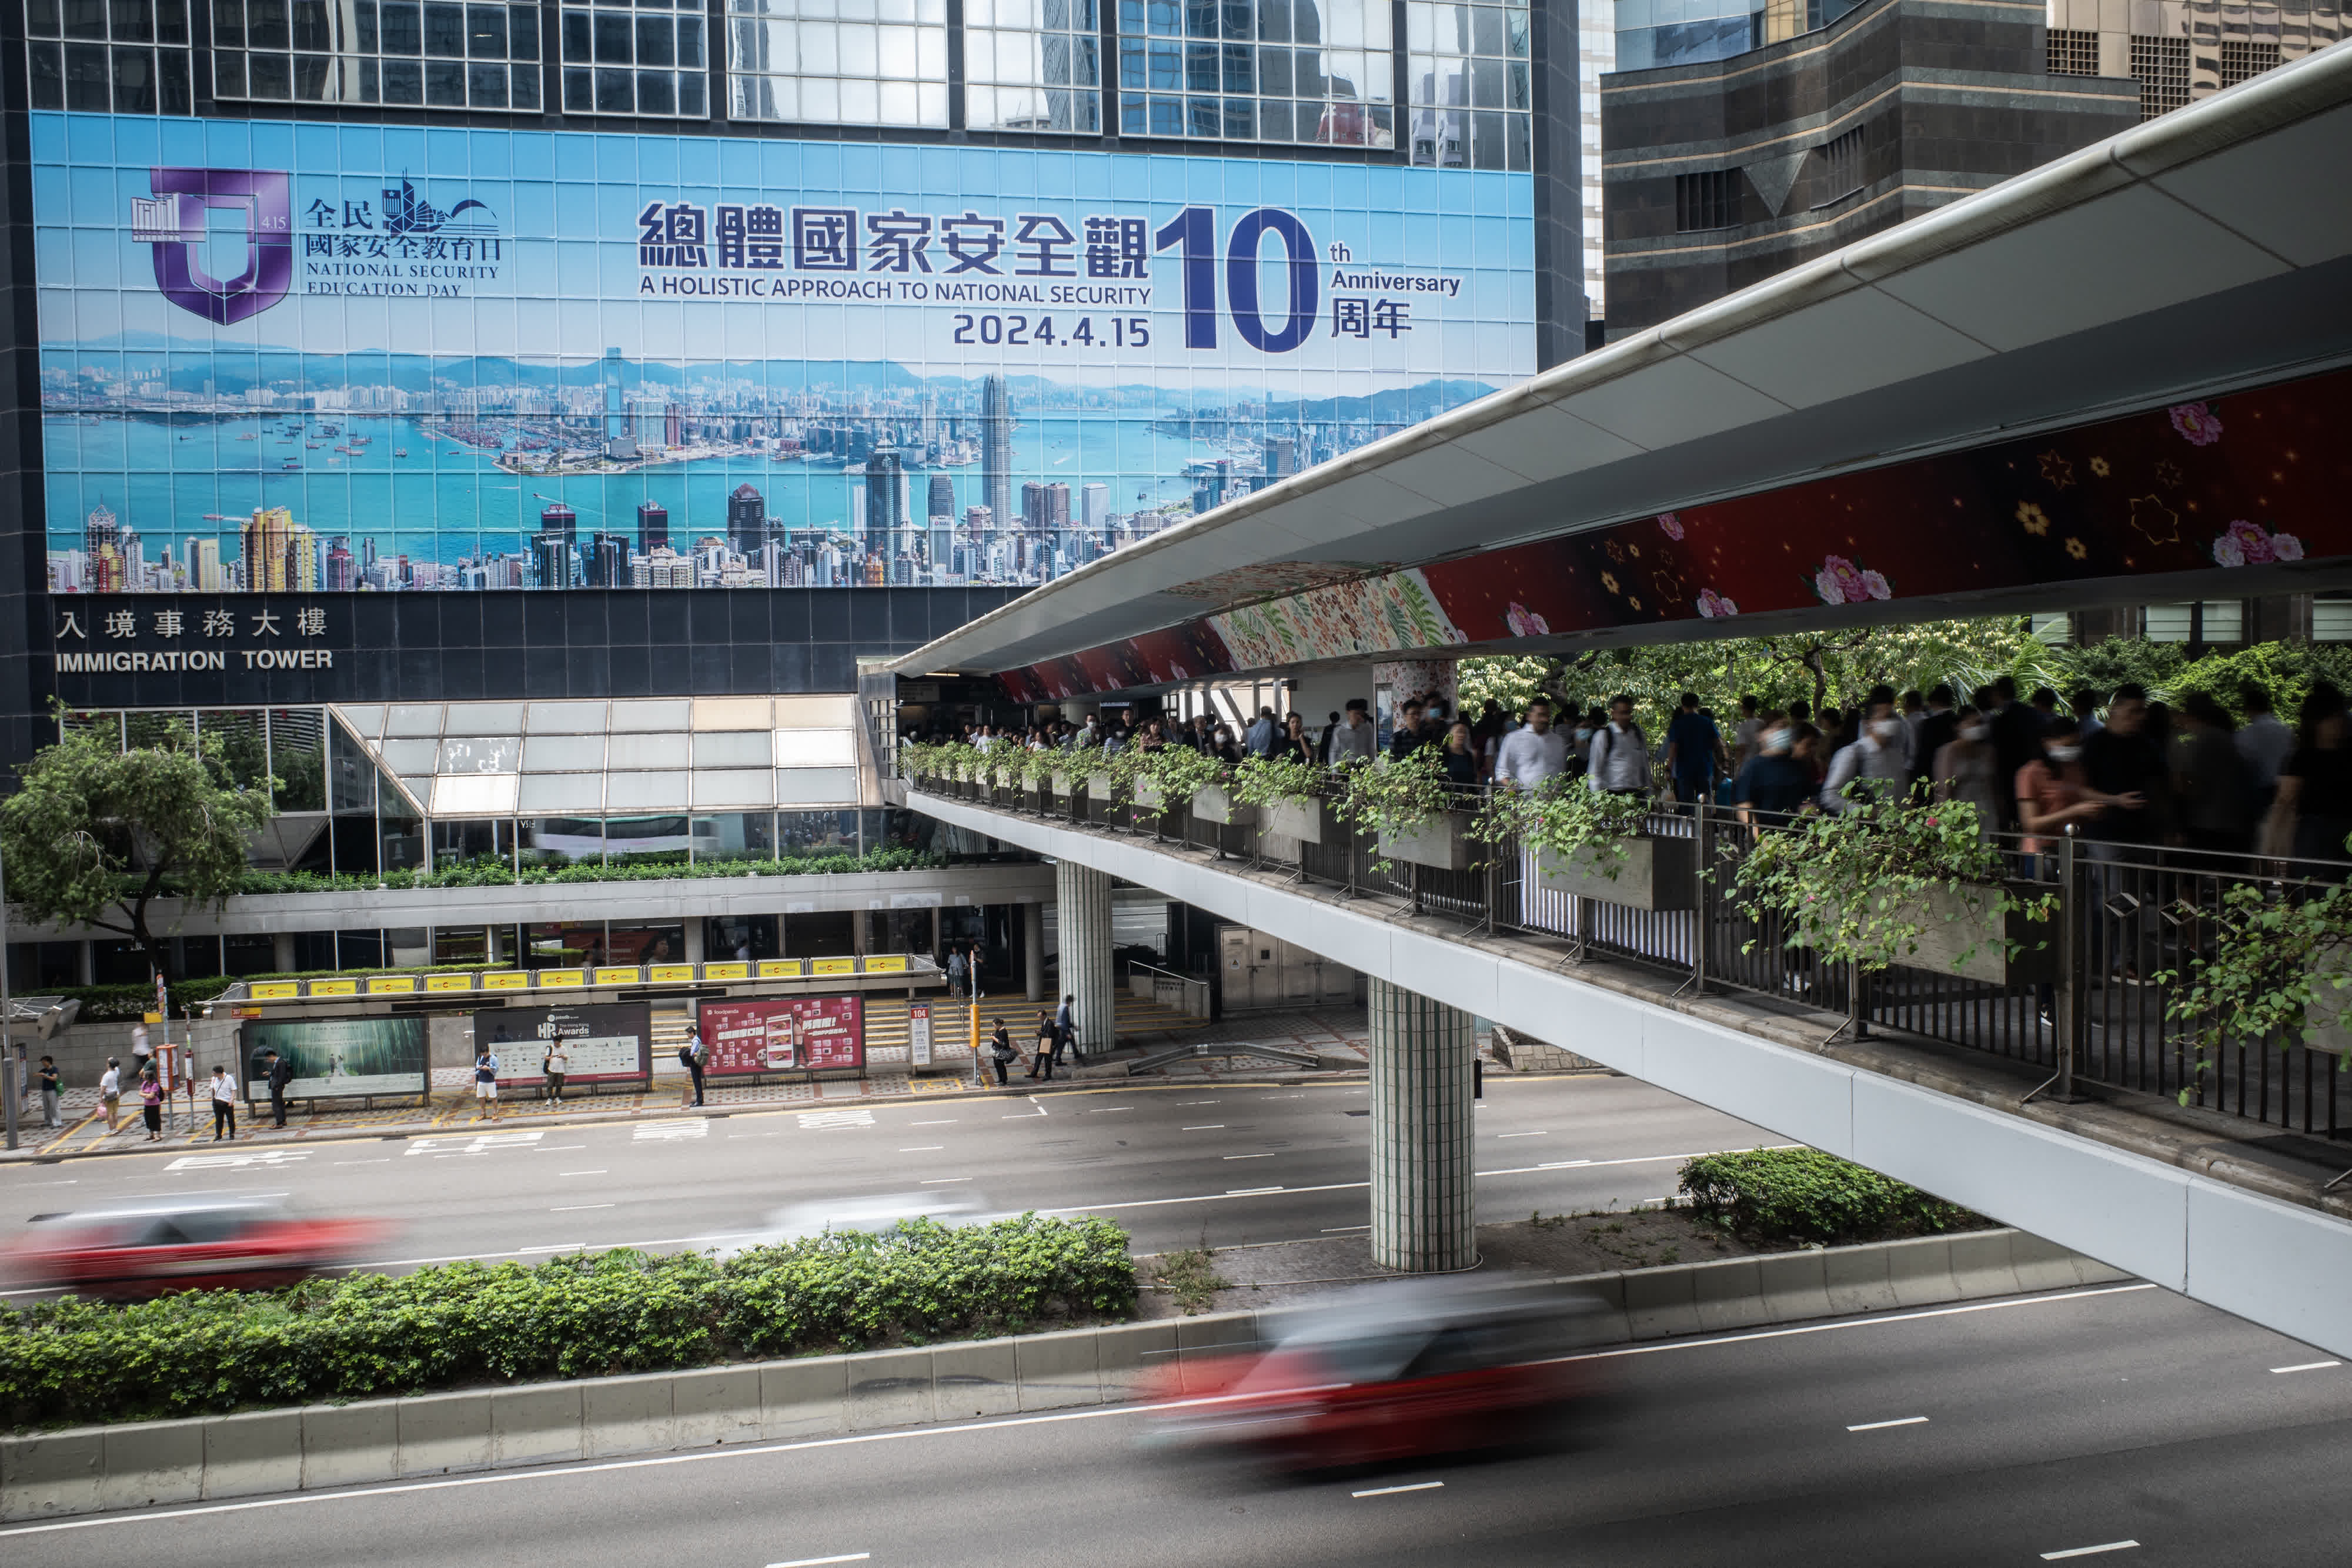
1041	1059
1002	1052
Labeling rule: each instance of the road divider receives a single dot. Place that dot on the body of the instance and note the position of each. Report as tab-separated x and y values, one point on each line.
90	1469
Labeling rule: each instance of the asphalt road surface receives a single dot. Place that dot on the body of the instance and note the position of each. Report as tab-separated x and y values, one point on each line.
1235	1163
2117	1426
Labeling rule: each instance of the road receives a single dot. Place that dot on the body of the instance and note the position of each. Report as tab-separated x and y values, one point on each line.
1234	1163
1994	1433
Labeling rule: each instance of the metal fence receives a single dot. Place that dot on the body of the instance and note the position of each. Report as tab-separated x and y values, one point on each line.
2093	977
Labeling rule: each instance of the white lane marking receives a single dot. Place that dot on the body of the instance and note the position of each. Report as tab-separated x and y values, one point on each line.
1247	1156
2089	1551
899	1435
385	1160
1206	1127
558	1148
1882	1426
583	1173
257	1157
1183	1102
560	1247
1634	1160
1522	1134
678	1131
945	1181
1203	1197
1282	1096
576	1207
478	1144
1034	1110
824	1119
947	1121
1341	1230
921	1148
814	1561
1090	1110
1858	1322
1249	1191
517	1252
2307	1366
1391	1492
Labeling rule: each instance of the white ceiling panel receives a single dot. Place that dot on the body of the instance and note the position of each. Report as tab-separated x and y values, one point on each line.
2121	255
1671	401
2265	191
1451	476
1855	343
1547	442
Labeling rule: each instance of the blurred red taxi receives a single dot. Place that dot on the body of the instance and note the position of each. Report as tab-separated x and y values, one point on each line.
182	1244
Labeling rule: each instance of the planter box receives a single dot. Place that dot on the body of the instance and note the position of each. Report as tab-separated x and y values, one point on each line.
1216	804
1309	822
1441	843
1960	920
1653	873
1068	786
1148	796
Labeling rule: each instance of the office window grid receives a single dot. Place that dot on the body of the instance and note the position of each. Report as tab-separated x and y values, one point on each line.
2245	57
2160	66
1033	65
1468	76
2073	52
1707	200
838	62
1842	167
124	56
1311	72
394	52
646	60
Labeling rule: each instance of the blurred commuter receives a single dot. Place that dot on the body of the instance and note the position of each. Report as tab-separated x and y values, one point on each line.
1968	768
223	1103
280	1073
1776	782
1292	743
2120	760
1743	734
1002	1052
1408	738
1621	753
1459	756
1260	739
1041	1055
1939	726
50	1085
2209	779
556	1067
1532	753
2016	734
1874	763
485	1080
2313	813
110	1091
1694	751
2054	793
2263	745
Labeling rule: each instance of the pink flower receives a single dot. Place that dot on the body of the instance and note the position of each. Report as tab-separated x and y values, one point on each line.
1714	606
1524	621
1670	525
1852	590
1876	585
2227	553
1825	584
2286	547
2197	423
1934	821
2253	541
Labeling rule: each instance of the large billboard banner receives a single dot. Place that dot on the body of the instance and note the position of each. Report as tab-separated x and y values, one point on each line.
782	1034
336	1057
605	1042
294	357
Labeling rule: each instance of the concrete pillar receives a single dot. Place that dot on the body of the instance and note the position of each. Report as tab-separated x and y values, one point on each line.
281	951
694	939
1424	1204
1032	949
1082	919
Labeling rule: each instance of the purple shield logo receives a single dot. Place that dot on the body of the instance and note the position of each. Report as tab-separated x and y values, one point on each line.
176	222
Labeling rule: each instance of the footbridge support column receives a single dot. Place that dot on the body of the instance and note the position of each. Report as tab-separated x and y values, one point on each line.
1424	1202
1082	922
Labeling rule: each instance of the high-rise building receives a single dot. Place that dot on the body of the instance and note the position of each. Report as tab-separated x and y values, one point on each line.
99	531
606	563
747	520
204	566
886	489
1057	506
341	577
1093	507
1034	507
1281	457
620	442
556	517
942	497
996	445
653	526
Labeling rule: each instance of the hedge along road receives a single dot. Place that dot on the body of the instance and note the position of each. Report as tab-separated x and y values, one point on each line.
1237	1162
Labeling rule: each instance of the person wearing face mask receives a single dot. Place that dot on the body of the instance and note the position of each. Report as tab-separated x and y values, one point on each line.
2053	790
1966	770
1776	782
1875	761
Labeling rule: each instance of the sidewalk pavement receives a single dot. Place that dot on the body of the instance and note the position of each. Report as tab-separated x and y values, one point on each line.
451	1107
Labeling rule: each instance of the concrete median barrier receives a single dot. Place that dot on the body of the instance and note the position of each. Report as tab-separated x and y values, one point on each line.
89	1469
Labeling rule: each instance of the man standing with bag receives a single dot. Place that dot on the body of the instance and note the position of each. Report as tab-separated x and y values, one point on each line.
281	1074
693	1054
224	1105
554	1066
110	1091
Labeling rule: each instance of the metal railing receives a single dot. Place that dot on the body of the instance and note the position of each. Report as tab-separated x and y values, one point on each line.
2083	1000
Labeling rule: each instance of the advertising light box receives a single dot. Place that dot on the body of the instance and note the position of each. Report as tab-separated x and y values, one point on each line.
606	1042
336	1057
284	356
781	1034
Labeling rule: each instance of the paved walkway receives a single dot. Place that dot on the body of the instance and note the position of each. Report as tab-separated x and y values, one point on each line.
1334	1031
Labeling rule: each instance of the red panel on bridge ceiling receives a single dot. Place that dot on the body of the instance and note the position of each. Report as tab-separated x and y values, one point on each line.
2245	480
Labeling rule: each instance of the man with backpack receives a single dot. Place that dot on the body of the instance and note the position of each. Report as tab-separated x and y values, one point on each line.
1619	759
693	1054
485	1080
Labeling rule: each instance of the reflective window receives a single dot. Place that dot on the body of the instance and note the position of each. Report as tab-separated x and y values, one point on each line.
1313	71
648	59
408	53
1467	74
1032	65
838	62
124	56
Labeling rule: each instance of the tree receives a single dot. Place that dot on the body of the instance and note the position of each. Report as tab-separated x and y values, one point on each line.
96	834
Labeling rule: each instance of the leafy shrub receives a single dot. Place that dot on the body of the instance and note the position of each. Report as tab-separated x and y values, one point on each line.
371	1336
1804	1195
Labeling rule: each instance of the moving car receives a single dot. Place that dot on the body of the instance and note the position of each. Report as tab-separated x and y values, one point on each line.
1391	1372
874	1214
185	1243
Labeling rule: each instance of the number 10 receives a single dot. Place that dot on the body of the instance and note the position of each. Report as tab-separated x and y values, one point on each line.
1194	228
